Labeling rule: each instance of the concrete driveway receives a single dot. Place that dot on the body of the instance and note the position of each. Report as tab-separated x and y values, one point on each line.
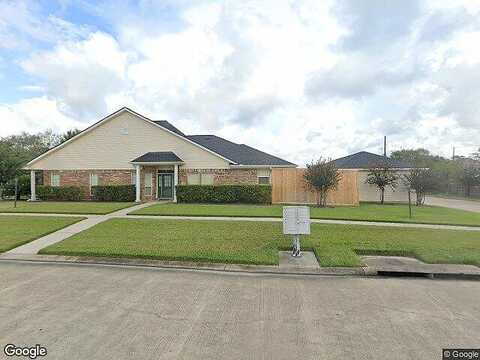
93	312
453	203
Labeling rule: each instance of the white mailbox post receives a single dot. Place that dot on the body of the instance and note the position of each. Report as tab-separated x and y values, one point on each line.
296	222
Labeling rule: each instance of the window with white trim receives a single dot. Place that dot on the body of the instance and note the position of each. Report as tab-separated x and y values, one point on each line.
148	183
193	179
264	180
200	179
133	178
93	181
206	179
55	180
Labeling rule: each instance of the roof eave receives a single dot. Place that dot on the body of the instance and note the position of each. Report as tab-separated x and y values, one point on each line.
157	162
106	118
263	166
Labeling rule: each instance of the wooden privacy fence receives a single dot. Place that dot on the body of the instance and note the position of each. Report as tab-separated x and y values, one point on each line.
288	186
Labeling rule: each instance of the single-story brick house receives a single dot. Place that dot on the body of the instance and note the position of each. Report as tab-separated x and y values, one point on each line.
362	162
128	148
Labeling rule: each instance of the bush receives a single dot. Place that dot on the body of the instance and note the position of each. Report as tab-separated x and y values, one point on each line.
224	194
60	193
113	193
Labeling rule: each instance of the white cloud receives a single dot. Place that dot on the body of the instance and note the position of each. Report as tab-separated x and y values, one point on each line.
33	115
297	79
79	75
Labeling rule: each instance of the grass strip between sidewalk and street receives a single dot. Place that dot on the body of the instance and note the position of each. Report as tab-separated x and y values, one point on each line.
19	230
63	207
364	212
246	242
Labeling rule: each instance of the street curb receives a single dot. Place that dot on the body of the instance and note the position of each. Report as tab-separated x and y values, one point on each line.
230	268
191	266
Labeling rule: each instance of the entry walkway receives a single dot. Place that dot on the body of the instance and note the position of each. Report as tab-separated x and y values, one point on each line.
35	246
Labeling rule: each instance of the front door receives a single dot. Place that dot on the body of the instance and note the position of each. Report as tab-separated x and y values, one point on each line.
165	186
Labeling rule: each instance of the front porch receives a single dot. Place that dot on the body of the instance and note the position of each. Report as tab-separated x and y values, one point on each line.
156	176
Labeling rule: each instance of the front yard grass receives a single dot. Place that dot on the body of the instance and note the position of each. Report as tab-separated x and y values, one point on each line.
18	230
246	242
365	212
63	207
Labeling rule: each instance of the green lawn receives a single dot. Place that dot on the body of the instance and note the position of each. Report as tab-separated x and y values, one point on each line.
366	211
18	230
258	242
65	207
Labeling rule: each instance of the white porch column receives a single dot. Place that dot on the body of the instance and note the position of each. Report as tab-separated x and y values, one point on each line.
137	183
33	194
175	182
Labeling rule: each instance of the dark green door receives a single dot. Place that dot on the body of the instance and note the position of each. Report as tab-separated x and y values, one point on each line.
165	186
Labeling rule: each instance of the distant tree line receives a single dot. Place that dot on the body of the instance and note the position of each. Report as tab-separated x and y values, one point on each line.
430	173
17	150
442	173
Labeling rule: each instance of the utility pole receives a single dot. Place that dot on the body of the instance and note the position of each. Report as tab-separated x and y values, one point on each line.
385	146
453	154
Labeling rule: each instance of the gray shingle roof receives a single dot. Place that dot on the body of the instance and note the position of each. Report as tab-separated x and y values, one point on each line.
167	125
158	157
367	160
239	153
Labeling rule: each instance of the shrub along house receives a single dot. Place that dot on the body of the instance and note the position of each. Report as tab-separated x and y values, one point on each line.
126	148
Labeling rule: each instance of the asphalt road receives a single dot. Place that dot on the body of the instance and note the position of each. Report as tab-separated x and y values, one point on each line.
92	312
453	203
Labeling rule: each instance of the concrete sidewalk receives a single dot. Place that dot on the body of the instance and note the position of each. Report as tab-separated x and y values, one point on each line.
124	214
314	221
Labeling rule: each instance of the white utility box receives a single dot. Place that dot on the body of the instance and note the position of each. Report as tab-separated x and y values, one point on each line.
296	220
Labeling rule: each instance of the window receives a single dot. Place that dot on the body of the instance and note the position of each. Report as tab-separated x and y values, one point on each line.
55	180
133	179
207	179
193	179
264	180
93	181
148	183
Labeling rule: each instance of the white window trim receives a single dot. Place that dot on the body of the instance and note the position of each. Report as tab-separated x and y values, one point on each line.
52	182
91	183
145	184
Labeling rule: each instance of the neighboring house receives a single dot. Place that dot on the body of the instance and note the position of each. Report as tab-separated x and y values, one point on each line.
364	161
128	148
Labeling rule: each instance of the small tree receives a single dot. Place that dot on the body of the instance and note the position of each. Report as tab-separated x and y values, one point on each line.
382	177
9	166
321	177
421	180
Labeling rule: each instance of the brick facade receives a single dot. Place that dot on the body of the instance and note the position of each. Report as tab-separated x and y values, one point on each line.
81	178
223	176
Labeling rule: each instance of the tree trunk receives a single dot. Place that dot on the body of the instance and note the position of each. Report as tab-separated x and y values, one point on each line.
467	190
382	196
318	199
420	198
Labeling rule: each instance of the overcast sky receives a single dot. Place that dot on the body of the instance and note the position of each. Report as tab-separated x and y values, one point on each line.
298	79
